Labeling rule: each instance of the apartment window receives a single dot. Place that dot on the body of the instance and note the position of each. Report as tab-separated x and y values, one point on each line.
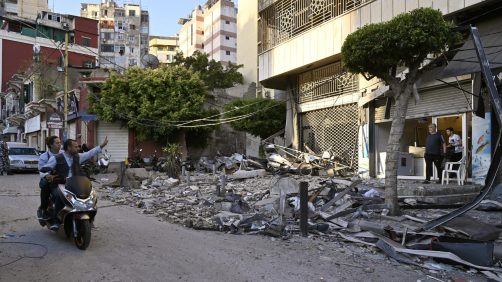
132	38
144	18
120	25
227	22
107	48
119	13
107	35
227	37
171	48
132	13
95	14
105	13
86	41
132	62
120	49
120	36
132	27
144	40
131	49
227	52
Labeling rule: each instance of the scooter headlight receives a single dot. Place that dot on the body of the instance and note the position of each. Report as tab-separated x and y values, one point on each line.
69	197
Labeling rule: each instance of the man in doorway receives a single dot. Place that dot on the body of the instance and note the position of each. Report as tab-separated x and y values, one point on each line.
435	147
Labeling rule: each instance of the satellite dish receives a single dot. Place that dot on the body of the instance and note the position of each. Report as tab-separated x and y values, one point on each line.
150	61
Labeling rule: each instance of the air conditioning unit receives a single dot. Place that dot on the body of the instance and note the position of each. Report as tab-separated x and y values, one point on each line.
65	26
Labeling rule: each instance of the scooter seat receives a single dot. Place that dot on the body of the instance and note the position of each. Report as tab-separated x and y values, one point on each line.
80	186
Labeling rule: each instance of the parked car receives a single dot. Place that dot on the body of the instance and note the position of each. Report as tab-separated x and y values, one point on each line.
22	157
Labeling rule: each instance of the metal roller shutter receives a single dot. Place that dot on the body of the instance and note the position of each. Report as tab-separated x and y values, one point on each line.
435	101
118	138
335	127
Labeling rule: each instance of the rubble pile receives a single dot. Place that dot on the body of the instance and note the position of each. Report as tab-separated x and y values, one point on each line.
347	210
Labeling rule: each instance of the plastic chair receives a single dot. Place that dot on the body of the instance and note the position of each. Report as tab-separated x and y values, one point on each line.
460	172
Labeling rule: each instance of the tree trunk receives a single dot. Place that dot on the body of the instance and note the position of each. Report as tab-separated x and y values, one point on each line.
394	147
183	145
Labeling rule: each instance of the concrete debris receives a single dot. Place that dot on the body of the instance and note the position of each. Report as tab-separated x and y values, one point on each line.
247	200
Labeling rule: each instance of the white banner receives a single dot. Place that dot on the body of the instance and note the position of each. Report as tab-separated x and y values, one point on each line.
32	125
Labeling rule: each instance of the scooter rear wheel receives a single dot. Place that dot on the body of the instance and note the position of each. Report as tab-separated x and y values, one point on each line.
83	238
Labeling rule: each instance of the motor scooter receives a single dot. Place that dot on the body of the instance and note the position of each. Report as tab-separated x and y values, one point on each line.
104	162
80	208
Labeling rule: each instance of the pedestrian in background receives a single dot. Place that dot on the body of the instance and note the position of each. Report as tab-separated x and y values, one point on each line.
4	156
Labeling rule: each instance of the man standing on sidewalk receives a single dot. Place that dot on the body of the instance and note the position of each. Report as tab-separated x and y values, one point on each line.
435	147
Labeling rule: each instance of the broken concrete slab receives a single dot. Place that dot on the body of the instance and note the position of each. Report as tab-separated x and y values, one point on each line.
243	174
287	185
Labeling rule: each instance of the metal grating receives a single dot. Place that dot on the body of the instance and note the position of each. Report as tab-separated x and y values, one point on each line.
284	19
335	127
327	81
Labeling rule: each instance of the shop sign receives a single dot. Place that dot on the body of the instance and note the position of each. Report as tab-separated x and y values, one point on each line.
55	121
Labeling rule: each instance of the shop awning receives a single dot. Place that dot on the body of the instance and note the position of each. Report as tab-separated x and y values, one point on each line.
466	60
87	117
10	130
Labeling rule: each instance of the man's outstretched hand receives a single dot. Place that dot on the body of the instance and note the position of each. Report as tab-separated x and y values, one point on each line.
104	143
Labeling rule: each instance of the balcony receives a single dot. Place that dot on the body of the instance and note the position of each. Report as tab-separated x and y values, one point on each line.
281	20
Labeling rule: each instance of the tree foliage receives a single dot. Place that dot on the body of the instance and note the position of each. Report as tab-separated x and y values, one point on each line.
211	72
378	50
270	116
406	40
152	101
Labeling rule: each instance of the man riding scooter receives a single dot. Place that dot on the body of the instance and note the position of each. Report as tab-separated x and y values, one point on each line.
46	179
67	164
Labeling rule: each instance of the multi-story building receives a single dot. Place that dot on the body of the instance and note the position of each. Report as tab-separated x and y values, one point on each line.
299	47
124	32
32	73
213	30
191	34
28	9
164	47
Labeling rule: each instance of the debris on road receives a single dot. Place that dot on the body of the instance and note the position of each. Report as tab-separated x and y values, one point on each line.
248	200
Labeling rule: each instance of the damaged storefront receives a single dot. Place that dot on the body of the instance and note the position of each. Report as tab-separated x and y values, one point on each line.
328	113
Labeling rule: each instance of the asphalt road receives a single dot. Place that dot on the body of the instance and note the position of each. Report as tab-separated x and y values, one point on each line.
128	246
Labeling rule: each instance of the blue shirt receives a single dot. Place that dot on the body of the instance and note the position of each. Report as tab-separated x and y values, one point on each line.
43	159
69	159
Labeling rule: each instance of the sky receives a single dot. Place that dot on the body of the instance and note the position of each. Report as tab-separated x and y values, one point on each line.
164	14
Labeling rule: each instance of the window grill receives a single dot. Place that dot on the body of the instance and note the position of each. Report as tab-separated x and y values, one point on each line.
334	128
281	20
330	80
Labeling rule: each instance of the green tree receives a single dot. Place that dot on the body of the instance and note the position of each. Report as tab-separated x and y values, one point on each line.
264	117
153	102
409	41
214	75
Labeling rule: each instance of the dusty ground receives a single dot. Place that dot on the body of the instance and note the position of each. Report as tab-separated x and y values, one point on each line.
128	246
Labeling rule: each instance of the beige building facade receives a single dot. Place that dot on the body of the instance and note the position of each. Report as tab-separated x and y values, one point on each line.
25	8
299	51
211	29
124	33
164	47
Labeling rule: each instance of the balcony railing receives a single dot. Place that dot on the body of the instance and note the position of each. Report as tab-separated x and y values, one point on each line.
281	20
324	82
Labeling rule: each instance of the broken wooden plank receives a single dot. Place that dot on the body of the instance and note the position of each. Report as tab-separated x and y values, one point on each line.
412	218
344	182
337	221
340	195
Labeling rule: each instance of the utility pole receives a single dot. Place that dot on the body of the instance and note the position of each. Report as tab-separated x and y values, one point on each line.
65	131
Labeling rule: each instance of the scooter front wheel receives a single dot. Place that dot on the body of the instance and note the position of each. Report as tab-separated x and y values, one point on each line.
83	236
